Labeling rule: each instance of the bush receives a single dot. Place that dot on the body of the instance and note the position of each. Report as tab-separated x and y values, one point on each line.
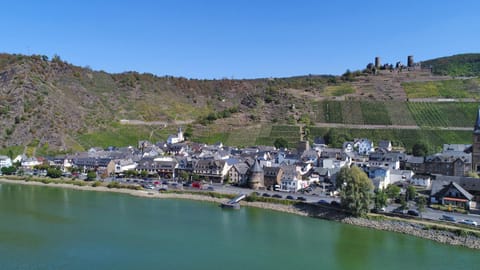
97	184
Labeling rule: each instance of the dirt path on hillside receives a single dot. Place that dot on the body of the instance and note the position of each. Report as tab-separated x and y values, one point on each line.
356	126
154	123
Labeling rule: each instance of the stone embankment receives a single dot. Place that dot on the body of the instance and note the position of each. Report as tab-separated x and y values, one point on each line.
418	230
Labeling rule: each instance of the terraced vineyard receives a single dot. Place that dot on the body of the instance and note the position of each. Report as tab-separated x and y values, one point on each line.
448	114
264	134
289	133
400	137
469	88
352	112
247	136
332	111
375	113
399	113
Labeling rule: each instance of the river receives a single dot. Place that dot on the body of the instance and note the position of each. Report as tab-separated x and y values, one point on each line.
54	228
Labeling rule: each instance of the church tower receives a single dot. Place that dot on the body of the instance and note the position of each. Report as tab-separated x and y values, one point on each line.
476	145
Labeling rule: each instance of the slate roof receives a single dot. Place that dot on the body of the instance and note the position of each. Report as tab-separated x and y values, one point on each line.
450	156
242	168
257	168
468	183
442	192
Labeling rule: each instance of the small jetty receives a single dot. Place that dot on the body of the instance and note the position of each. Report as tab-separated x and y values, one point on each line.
233	203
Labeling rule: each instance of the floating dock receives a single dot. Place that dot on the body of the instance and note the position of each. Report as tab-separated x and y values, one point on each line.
234	203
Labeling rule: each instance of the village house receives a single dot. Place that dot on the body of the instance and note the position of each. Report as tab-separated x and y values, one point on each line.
30	162
238	174
385	145
452	163
5	161
363	146
103	166
292	179
413	163
164	167
421	180
385	160
470	184
123	165
272	176
380	177
211	170
452	194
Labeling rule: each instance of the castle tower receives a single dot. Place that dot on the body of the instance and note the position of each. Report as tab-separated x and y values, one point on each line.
410	62
256	180
377	62
476	145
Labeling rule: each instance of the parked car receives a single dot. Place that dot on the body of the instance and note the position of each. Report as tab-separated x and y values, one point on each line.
148	186
322	202
266	195
413	213
379	210
335	203
398	211
211	188
303	199
289	197
277	196
468	222
448	218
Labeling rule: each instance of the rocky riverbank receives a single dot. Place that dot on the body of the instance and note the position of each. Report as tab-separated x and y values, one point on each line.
419	230
324	212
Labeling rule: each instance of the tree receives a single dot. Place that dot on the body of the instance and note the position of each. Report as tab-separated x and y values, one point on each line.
184	175
8	170
280	143
403	203
54	172
473	174
91	175
422	201
356	190
380	199
411	193
420	149
143	173
392	191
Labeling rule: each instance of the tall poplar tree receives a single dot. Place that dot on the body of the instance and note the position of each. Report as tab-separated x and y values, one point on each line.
355	190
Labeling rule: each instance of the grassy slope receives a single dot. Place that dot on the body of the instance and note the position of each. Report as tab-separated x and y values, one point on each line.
456	65
468	88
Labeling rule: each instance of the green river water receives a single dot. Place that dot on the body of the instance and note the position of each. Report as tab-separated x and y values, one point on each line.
53	228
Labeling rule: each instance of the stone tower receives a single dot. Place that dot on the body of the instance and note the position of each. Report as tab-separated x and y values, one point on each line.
476	145
256	180
377	62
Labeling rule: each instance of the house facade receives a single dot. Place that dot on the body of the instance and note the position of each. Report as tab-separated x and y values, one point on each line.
5	161
455	195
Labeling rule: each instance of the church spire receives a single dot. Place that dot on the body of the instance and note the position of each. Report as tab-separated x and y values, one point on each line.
476	129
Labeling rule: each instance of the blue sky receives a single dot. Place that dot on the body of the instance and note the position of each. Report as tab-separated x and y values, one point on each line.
238	39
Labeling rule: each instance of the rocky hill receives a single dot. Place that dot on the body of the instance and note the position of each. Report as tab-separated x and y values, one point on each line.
55	106
51	102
